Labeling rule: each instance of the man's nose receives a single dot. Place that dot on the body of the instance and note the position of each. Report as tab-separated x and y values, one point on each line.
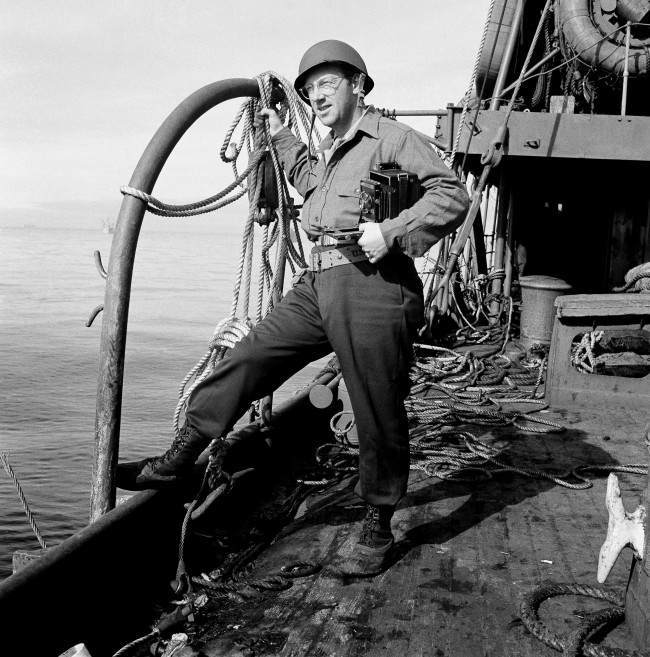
317	93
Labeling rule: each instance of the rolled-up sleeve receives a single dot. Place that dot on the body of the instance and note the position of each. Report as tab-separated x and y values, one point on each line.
442	207
295	160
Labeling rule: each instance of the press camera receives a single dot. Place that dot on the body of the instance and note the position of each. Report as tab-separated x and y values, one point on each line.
387	191
383	195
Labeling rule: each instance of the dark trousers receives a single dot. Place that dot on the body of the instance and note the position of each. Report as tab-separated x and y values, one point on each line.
368	314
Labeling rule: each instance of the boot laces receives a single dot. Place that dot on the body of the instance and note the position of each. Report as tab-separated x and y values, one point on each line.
178	444
370	525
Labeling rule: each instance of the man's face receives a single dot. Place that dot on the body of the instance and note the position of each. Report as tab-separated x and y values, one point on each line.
336	111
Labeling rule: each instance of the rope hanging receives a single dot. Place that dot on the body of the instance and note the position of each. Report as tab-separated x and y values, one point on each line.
274	91
472	82
4	459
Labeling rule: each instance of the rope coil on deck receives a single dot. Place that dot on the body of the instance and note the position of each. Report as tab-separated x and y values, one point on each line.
575	643
452	390
639	274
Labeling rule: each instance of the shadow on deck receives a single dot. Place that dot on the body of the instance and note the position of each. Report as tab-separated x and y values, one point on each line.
465	553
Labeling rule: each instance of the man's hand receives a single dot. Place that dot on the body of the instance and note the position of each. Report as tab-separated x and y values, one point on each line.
372	241
275	125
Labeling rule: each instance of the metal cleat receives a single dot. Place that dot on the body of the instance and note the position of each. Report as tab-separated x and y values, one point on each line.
624	529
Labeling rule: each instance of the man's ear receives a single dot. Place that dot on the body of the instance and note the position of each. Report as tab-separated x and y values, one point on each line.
358	83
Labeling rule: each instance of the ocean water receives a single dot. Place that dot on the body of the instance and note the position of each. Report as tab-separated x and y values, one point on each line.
182	286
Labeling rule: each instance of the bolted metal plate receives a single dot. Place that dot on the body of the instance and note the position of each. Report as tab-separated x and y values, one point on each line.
539	134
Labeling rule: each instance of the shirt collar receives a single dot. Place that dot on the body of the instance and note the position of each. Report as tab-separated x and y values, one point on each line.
368	123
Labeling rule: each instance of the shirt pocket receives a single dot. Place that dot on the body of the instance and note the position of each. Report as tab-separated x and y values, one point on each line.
307	200
347	212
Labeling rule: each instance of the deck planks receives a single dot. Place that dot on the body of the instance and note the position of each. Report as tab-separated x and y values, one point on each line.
465	554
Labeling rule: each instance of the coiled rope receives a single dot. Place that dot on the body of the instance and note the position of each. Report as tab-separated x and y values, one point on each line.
582	355
462	389
23	500
274	90
575	643
639	274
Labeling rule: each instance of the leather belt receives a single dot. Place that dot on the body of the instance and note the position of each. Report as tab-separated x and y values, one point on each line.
335	256
327	240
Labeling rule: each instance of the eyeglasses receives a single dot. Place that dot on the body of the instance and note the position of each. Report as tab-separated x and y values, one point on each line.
327	86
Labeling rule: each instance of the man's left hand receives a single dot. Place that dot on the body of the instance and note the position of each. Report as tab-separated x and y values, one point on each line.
372	241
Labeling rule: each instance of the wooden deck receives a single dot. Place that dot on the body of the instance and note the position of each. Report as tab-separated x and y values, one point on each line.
465	554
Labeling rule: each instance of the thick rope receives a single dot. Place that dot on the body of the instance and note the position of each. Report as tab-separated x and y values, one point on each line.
638	274
23	500
472	82
582	355
140	641
632	283
462	389
575	643
271	276
231	330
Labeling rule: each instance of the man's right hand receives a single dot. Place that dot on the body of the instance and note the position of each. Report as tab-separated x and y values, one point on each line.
275	125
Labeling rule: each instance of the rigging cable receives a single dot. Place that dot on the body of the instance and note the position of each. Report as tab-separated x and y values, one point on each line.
4	459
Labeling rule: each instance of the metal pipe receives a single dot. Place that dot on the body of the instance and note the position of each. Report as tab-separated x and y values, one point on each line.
626	70
503	210
507	55
461	238
118	283
507	281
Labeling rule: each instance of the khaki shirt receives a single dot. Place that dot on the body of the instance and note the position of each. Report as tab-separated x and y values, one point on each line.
331	190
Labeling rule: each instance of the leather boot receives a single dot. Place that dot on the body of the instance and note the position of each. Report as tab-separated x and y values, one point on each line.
369	555
166	470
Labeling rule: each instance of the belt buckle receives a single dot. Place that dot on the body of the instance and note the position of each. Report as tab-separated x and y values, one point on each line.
316	261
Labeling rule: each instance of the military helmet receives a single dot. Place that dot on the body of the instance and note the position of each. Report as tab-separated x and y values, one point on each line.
331	51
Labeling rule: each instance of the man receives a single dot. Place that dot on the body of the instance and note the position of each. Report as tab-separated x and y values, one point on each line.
366	304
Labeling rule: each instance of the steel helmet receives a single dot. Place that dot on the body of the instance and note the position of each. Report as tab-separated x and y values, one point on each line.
331	51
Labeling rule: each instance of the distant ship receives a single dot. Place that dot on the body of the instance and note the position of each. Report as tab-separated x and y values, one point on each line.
108	226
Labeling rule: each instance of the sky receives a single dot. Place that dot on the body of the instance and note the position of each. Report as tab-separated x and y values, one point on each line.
85	84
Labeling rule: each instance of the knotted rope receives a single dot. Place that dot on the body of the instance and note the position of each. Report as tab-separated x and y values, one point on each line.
582	355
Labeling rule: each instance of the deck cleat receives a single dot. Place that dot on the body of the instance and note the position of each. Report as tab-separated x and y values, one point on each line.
624	529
